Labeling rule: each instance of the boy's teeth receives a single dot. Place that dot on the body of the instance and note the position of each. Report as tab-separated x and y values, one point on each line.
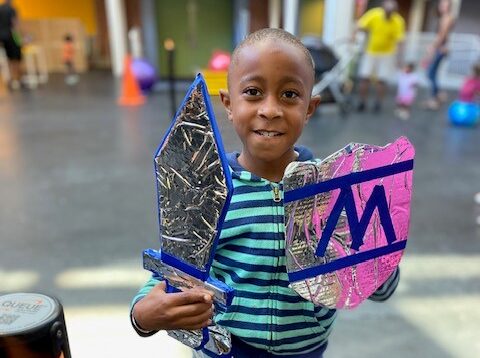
268	134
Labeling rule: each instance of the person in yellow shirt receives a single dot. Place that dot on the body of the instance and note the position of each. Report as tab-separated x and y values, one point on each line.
385	28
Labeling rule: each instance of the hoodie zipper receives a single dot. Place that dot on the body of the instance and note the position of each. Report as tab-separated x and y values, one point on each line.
276	194
277	198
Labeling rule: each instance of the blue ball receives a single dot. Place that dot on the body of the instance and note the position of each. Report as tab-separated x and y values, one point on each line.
464	113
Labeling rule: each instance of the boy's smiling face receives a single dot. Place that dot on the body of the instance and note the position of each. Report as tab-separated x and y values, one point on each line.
269	102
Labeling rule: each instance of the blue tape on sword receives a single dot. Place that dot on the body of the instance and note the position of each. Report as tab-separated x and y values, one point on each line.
357	227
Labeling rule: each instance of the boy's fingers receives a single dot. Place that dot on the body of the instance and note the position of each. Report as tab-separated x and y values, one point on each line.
198	326
192	310
198	321
189	297
161	286
208	295
203	289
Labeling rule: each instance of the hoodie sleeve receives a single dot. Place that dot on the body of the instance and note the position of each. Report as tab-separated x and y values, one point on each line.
388	288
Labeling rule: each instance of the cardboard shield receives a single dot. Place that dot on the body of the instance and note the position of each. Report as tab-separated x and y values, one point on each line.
347	219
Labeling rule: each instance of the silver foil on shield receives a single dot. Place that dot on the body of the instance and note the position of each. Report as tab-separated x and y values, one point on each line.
305	220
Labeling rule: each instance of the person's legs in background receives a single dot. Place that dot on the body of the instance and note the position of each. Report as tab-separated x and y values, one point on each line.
402	110
14	54
385	66
363	93
71	77
433	103
15	71
381	88
367	68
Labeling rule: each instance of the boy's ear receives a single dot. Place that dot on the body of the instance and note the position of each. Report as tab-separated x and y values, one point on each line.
225	97
312	106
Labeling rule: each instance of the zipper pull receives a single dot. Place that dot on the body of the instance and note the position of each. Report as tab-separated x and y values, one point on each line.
276	194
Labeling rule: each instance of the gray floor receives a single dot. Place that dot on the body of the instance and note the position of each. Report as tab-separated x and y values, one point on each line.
78	206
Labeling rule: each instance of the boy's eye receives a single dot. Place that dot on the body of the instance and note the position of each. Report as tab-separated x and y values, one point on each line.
290	94
252	92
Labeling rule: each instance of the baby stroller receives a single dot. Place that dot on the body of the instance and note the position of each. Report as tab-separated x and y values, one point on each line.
334	76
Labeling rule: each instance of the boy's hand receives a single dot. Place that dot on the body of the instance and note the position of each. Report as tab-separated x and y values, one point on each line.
190	309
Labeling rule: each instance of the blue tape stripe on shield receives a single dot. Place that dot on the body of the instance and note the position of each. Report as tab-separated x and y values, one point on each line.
347	180
346	261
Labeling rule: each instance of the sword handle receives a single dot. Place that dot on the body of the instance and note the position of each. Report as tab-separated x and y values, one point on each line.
214	338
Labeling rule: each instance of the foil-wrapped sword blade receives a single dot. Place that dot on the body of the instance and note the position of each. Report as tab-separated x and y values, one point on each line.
194	189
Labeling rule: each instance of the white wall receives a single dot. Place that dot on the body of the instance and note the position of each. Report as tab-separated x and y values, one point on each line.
338	21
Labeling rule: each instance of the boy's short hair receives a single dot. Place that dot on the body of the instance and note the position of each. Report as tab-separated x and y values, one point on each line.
272	34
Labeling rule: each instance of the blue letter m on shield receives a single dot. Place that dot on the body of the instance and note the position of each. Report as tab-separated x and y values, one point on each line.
358	227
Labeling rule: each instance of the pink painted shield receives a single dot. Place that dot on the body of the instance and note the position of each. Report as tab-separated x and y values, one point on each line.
347	219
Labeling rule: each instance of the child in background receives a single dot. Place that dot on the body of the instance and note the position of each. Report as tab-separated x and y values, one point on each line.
270	81
470	90
407	91
68	56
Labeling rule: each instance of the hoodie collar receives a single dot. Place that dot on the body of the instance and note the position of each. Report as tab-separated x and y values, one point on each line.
238	172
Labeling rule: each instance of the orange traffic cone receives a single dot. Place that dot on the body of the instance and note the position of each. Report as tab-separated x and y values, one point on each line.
131	94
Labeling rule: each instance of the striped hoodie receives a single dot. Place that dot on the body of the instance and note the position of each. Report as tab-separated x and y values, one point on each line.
250	258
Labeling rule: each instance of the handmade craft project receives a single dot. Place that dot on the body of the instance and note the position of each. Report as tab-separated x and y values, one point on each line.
194	190
347	220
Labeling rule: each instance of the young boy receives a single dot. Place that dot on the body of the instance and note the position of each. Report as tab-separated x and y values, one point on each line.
269	102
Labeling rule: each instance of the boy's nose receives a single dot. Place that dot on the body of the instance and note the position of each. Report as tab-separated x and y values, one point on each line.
270	108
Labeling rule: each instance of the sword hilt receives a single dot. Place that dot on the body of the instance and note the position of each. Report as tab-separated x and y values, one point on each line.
215	338
177	279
